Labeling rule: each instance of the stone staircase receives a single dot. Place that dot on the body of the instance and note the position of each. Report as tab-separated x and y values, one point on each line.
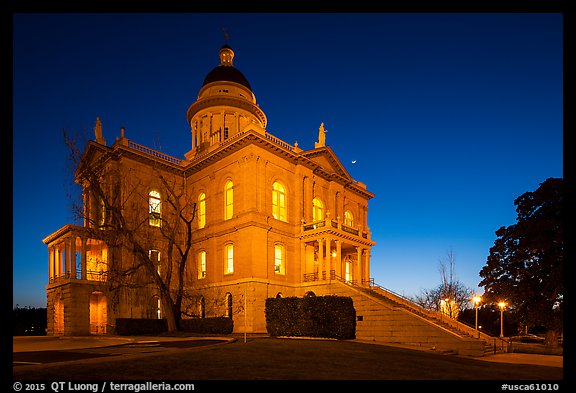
385	317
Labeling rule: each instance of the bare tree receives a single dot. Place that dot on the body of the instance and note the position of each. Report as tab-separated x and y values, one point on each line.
450	296
114	205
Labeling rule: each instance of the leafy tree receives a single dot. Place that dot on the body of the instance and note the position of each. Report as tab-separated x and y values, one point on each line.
525	265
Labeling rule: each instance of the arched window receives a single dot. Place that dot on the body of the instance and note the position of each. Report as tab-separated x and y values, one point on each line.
279	295
154	256
102	214
279	255
348	219
202	211
155	307
317	210
229	261
155	208
278	201
228	305
202	307
201	264
228	200
58	317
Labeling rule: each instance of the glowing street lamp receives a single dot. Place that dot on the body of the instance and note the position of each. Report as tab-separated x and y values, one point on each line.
502	305
477	299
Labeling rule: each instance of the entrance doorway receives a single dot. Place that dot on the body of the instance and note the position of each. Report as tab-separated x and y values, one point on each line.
98	313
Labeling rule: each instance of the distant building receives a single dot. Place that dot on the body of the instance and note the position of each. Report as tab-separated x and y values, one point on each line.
270	220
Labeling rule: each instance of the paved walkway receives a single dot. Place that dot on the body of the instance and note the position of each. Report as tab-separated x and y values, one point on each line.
526	358
51	343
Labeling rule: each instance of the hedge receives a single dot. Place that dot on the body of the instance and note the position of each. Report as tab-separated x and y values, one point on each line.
144	326
312	316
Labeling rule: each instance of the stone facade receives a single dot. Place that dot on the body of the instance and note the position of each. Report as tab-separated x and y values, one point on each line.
269	219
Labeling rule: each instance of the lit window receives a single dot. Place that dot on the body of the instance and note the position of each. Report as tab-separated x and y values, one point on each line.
102	215
278	201
202	211
202	307
201	264
279	259
348	271
226	131
154	208
317	210
229	263
229	305
154	256
348	218
228	200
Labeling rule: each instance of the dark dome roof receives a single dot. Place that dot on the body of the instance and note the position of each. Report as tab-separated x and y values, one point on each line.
226	73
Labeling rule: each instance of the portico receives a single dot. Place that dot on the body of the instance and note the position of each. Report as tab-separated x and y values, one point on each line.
332	250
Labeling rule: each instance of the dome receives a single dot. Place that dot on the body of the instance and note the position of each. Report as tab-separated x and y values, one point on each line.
226	73
226	70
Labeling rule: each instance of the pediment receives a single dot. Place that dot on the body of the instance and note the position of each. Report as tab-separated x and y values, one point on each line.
325	158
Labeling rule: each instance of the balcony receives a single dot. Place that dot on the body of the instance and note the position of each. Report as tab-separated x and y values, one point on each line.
335	226
91	275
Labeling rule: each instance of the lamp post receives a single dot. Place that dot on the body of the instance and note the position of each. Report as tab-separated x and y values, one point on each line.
502	305
477	299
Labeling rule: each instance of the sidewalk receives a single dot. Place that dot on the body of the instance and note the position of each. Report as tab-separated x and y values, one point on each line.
526	358
59	343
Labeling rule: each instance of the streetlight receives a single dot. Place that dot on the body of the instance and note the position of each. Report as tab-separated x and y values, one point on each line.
502	305
477	299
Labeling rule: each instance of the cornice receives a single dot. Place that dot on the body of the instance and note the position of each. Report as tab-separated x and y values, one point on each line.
252	137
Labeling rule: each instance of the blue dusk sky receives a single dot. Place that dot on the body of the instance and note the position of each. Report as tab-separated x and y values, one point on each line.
447	118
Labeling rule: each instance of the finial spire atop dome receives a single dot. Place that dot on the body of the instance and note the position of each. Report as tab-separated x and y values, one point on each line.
226	56
226	53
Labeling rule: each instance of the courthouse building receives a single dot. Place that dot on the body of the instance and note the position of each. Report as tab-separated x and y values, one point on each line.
269	220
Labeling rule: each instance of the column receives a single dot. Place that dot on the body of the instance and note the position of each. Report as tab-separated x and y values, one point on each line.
302	260
338	267
223	129
66	258
193	136
356	275
328	258
210	130
320	258
50	264
367	266
57	257
83	259
73	257
306	198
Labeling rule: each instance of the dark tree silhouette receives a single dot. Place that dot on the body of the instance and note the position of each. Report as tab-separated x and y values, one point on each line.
525	265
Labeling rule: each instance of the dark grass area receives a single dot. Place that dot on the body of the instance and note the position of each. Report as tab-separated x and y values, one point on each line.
288	359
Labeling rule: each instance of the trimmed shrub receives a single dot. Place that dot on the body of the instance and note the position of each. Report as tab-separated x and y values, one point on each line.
313	316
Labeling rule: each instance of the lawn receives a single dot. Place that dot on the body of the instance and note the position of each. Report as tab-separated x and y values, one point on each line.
288	359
